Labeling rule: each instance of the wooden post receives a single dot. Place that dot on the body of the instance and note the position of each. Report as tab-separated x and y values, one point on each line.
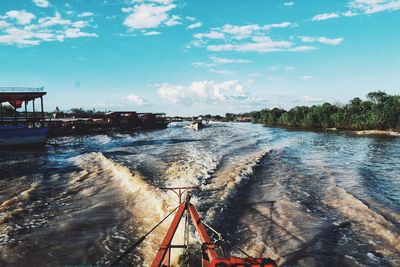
41	104
26	112
1	112
33	115
15	116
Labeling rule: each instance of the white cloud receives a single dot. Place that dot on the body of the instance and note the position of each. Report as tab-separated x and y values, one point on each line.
22	17
262	44
302	48
240	32
289	3
210	35
375	6
349	13
323	40
85	14
195	25
278	68
53	21
77	33
325	16
19	29
209	92
137	100
307	78
151	14
41	3
243	38
147	16
4	24
127	9
223	72
190	18
246	31
203	65
277	25
362	6
220	60
174	20
152	33
163	2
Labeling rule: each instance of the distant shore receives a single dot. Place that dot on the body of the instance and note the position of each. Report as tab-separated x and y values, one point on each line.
389	132
378	132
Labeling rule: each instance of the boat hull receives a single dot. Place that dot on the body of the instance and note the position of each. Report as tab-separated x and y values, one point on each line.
197	125
20	136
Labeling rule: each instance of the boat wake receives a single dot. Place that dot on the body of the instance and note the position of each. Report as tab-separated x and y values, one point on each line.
383	236
147	205
300	198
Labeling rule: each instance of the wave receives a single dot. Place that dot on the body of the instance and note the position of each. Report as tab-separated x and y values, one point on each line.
381	234
19	197
193	170
226	183
10	209
147	204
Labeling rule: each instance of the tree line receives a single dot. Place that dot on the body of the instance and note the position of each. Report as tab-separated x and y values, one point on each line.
380	111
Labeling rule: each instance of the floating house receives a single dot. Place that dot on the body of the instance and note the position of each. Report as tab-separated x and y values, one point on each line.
153	120
21	128
117	121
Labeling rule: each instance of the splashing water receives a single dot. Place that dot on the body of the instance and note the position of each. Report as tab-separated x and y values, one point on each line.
302	198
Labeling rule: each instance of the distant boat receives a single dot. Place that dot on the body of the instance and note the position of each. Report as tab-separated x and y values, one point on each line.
197	125
27	130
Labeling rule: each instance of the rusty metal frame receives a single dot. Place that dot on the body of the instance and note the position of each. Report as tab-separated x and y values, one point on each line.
163	255
209	255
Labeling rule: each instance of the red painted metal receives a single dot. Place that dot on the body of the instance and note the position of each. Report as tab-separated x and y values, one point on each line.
208	246
210	257
179	191
166	243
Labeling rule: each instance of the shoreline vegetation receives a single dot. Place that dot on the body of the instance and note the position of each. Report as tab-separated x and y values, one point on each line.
378	115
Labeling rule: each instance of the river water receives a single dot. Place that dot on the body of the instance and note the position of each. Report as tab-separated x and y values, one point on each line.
301	198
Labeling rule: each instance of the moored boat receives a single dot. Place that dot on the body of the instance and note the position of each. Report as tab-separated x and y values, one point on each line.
17	130
20	135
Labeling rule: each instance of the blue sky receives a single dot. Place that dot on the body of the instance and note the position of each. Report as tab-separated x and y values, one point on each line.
189	57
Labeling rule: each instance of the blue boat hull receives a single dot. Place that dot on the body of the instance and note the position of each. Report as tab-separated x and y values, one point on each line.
17	136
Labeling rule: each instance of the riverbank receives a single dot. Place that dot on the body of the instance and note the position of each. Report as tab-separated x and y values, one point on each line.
378	132
389	132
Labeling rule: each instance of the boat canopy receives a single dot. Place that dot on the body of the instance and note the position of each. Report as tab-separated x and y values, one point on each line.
17	95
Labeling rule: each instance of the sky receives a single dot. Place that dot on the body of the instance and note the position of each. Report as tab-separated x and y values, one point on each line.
189	57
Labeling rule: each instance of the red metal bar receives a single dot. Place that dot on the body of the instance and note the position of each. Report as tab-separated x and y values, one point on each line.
165	245
208	246
210	257
181	190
